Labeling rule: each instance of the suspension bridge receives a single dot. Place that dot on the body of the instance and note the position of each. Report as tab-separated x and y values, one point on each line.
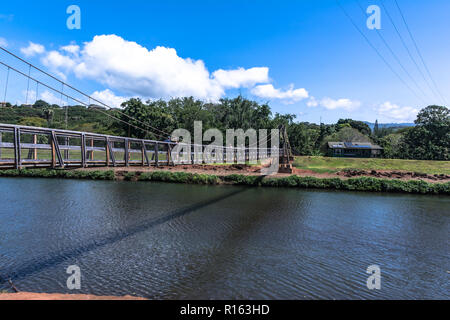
36	147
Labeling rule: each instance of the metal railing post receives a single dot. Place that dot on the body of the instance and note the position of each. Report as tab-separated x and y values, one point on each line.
83	150
17	151
156	154
127	153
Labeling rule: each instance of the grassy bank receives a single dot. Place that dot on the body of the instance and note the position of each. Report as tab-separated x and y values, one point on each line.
332	165
66	174
354	184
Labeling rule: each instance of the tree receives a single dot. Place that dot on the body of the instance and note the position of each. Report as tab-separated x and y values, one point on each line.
344	135
146	121
376	130
41	104
430	138
48	112
32	122
358	125
392	146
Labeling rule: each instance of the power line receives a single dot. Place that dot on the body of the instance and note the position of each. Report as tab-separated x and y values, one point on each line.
409	51
418	51
377	51
394	55
6	84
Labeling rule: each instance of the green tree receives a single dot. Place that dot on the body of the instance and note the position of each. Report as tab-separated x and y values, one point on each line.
33	122
430	138
358	125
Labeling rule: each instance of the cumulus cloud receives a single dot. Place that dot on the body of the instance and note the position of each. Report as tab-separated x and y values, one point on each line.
392	112
157	73
33	49
241	77
332	104
109	98
288	96
71	48
134	70
3	42
50	97
312	102
58	63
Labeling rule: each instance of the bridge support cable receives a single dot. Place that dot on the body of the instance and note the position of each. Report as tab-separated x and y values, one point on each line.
6	85
164	134
28	85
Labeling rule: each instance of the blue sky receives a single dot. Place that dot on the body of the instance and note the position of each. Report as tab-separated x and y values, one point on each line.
304	57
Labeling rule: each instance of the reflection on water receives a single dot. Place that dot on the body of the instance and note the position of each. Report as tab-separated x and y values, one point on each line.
168	241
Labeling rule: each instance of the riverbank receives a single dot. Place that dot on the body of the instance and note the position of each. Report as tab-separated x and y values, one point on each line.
334	165
290	181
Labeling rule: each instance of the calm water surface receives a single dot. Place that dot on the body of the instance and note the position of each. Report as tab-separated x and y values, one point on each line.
168	241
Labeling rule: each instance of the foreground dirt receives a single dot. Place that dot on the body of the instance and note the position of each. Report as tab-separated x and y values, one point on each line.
58	296
224	170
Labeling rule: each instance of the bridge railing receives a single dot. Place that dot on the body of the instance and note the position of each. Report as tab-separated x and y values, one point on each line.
24	146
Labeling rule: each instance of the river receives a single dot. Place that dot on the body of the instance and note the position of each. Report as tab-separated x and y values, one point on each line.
174	241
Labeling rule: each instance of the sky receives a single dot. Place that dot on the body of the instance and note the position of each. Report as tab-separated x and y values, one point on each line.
303	57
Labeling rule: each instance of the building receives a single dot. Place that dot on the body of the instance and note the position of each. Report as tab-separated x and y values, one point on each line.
354	149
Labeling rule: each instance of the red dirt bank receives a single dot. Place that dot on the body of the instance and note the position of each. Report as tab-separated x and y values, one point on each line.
224	170
58	296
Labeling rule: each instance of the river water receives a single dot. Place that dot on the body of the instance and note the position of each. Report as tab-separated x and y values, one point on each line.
169	241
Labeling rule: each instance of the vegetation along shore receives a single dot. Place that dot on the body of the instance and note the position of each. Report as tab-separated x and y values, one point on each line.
292	181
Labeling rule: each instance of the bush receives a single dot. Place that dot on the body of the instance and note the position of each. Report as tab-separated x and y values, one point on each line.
293	181
67	174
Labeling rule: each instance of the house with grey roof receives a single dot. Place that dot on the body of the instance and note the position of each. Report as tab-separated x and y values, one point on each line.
354	149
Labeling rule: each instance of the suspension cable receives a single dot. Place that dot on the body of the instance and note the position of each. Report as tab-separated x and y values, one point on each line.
75	99
28	85
82	93
6	84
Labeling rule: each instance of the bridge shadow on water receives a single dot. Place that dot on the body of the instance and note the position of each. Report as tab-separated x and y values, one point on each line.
41	263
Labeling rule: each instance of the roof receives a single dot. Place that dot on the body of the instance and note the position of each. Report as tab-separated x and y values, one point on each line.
353	145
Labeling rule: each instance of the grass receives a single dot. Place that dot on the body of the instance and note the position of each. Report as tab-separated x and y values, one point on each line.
332	165
354	184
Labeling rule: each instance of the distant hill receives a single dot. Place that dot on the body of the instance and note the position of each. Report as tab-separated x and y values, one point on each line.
389	125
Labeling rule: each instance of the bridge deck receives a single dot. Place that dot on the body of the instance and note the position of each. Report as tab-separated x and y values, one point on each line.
23	146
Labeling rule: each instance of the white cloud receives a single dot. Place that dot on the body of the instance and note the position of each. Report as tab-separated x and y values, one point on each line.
391	112
157	73
49	97
3	42
33	49
345	104
71	48
241	77
109	98
288	96
58	63
56	60
312	102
